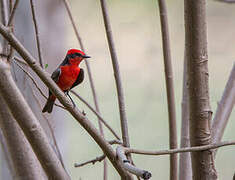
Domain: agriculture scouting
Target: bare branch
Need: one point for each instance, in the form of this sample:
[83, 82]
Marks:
[93, 161]
[50, 129]
[27, 166]
[185, 166]
[99, 158]
[128, 166]
[37, 33]
[20, 61]
[224, 109]
[97, 114]
[199, 101]
[169, 88]
[4, 12]
[117, 74]
[13, 13]
[180, 150]
[30, 125]
[84, 122]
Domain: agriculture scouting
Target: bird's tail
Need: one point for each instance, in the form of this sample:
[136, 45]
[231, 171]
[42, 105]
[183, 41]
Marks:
[49, 104]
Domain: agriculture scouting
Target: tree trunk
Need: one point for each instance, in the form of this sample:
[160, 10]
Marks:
[199, 104]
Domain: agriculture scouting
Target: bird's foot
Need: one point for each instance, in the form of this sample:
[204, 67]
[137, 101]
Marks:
[67, 93]
[83, 113]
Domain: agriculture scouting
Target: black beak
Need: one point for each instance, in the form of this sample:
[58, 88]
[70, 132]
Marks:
[85, 56]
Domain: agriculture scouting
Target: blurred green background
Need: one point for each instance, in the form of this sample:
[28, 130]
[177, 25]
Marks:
[136, 30]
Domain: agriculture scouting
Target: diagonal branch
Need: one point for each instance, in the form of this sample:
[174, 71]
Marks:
[37, 33]
[92, 161]
[169, 88]
[97, 114]
[224, 109]
[27, 166]
[82, 120]
[99, 158]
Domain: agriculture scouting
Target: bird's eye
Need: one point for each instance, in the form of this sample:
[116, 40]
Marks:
[78, 54]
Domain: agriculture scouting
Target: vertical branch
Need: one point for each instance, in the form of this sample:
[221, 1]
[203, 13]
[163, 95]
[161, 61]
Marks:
[224, 109]
[4, 12]
[4, 18]
[92, 85]
[185, 167]
[37, 33]
[169, 88]
[199, 102]
[117, 74]
[10, 23]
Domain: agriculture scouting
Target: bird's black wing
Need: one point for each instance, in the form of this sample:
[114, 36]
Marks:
[55, 76]
[79, 80]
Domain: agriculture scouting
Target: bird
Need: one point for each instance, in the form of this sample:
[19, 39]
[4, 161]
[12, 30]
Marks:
[67, 76]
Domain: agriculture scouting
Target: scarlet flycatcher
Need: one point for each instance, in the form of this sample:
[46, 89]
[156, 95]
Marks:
[67, 75]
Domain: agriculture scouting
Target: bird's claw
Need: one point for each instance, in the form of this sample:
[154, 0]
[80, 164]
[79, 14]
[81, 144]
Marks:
[67, 93]
[84, 113]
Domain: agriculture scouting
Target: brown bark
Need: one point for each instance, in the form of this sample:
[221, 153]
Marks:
[25, 163]
[169, 89]
[185, 167]
[199, 103]
[224, 109]
[30, 125]
[117, 74]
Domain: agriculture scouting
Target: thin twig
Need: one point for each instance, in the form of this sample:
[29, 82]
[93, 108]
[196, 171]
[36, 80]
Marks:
[180, 150]
[37, 34]
[96, 113]
[117, 74]
[169, 88]
[13, 13]
[128, 166]
[20, 60]
[93, 161]
[10, 23]
[99, 158]
[224, 109]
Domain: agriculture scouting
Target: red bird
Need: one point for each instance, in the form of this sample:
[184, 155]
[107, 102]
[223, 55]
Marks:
[67, 75]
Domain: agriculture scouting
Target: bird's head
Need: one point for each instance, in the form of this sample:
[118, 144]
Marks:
[76, 56]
